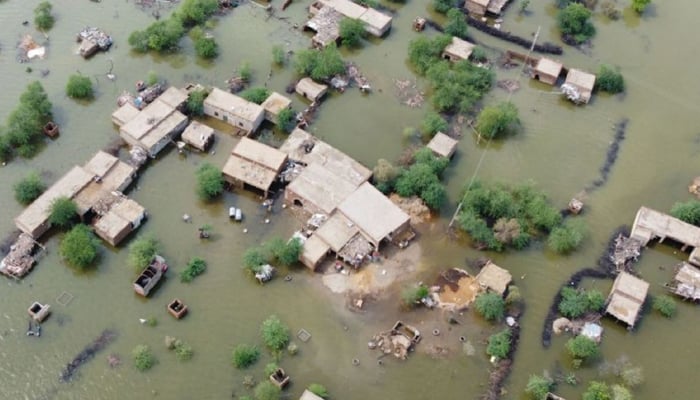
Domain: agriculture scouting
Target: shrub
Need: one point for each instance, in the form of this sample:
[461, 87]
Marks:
[610, 10]
[256, 95]
[289, 253]
[274, 333]
[688, 211]
[411, 296]
[245, 71]
[574, 22]
[143, 358]
[538, 387]
[665, 305]
[499, 344]
[385, 174]
[594, 300]
[183, 351]
[423, 52]
[514, 295]
[266, 390]
[5, 149]
[79, 87]
[597, 391]
[42, 16]
[582, 347]
[479, 54]
[162, 36]
[610, 79]
[286, 119]
[640, 5]
[271, 368]
[194, 12]
[574, 303]
[253, 258]
[79, 247]
[210, 182]
[319, 64]
[566, 238]
[456, 23]
[206, 47]
[442, 6]
[63, 212]
[497, 121]
[195, 102]
[142, 251]
[195, 267]
[620, 392]
[29, 188]
[490, 305]
[352, 31]
[318, 390]
[244, 356]
[632, 376]
[278, 56]
[433, 123]
[151, 78]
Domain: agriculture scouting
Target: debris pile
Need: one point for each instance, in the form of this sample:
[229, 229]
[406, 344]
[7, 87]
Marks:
[27, 49]
[408, 93]
[91, 40]
[626, 249]
[509, 85]
[20, 260]
[398, 341]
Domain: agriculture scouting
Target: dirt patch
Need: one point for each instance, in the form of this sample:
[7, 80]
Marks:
[413, 206]
[459, 294]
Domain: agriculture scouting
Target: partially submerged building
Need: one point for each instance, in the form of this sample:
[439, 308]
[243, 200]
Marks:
[274, 104]
[313, 253]
[626, 298]
[21, 257]
[442, 145]
[582, 84]
[326, 24]
[109, 174]
[240, 113]
[198, 136]
[458, 50]
[547, 70]
[651, 224]
[254, 164]
[308, 88]
[494, 278]
[152, 128]
[121, 218]
[317, 190]
[481, 7]
[686, 282]
[376, 23]
[91, 40]
[174, 97]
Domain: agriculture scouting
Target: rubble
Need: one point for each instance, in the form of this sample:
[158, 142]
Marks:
[91, 40]
[398, 341]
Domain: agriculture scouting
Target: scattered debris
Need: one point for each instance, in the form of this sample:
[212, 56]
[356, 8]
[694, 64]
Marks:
[575, 206]
[265, 273]
[408, 93]
[113, 360]
[91, 40]
[626, 249]
[28, 48]
[102, 341]
[398, 341]
[686, 282]
[509, 85]
[22, 257]
[419, 24]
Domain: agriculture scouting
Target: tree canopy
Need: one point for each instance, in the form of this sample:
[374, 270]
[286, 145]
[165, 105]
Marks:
[142, 251]
[63, 212]
[610, 79]
[29, 188]
[497, 121]
[43, 18]
[210, 182]
[195, 102]
[352, 31]
[456, 23]
[275, 334]
[574, 22]
[79, 247]
[206, 47]
[25, 123]
[319, 64]
[79, 87]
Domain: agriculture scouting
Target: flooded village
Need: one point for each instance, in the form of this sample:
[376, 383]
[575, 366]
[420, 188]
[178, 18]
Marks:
[337, 199]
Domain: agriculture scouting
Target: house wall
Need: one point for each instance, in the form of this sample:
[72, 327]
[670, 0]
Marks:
[548, 79]
[233, 119]
[160, 145]
[308, 208]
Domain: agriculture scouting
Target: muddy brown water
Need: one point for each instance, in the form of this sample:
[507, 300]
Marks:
[561, 148]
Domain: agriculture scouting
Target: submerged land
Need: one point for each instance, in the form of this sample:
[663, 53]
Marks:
[273, 200]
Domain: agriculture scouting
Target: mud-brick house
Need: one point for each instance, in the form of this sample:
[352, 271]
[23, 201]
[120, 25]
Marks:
[458, 50]
[627, 298]
[314, 91]
[154, 127]
[238, 112]
[121, 218]
[253, 164]
[547, 70]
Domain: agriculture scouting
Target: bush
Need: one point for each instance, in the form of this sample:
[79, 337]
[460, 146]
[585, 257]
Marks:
[352, 31]
[411, 296]
[424, 52]
[582, 348]
[610, 10]
[245, 71]
[597, 391]
[183, 351]
[210, 182]
[575, 303]
[253, 258]
[244, 356]
[274, 333]
[151, 78]
[665, 305]
[497, 121]
[286, 119]
[266, 390]
[620, 392]
[499, 344]
[278, 56]
[162, 36]
[195, 12]
[206, 47]
[271, 368]
[456, 23]
[640, 5]
[42, 16]
[288, 252]
[688, 211]
[538, 387]
[5, 148]
[79, 247]
[195, 102]
[318, 390]
[79, 87]
[384, 175]
[143, 358]
[566, 238]
[479, 54]
[255, 95]
[490, 305]
[63, 212]
[514, 295]
[610, 80]
[25, 123]
[574, 22]
[442, 6]
[195, 267]
[29, 188]
[142, 251]
[433, 123]
[320, 64]
[632, 376]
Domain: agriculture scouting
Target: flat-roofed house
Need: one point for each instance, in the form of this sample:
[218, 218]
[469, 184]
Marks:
[650, 224]
[174, 97]
[442, 145]
[109, 174]
[198, 135]
[123, 217]
[376, 217]
[240, 113]
[154, 127]
[124, 114]
[376, 23]
[583, 82]
[314, 91]
[494, 278]
[627, 297]
[337, 231]
[255, 164]
[547, 70]
[314, 252]
[476, 7]
[317, 190]
[458, 50]
[274, 104]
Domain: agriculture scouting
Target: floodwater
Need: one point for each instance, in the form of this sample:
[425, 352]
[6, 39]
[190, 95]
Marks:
[561, 148]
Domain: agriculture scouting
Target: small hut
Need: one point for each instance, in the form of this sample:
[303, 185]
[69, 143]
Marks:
[442, 145]
[274, 104]
[313, 91]
[583, 82]
[198, 135]
[626, 298]
[458, 50]
[547, 70]
[494, 278]
[476, 7]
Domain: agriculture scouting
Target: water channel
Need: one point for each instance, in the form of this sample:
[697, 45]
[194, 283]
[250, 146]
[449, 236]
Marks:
[561, 149]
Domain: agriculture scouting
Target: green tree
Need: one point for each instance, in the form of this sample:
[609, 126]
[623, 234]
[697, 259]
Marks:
[63, 212]
[456, 23]
[151, 78]
[442, 6]
[266, 390]
[245, 355]
[538, 387]
[384, 175]
[665, 305]
[490, 305]
[210, 182]
[183, 351]
[499, 344]
[79, 87]
[29, 188]
[319, 64]
[610, 79]
[412, 295]
[5, 148]
[256, 95]
[319, 390]
[434, 195]
[143, 358]
[688, 211]
[567, 238]
[582, 347]
[43, 18]
[597, 391]
[245, 71]
[573, 302]
[352, 31]
[79, 247]
[142, 251]
[195, 12]
[278, 56]
[286, 119]
[195, 102]
[640, 5]
[497, 121]
[290, 252]
[275, 334]
[424, 52]
[253, 258]
[574, 22]
[35, 97]
[620, 392]
[195, 267]
[162, 36]
[206, 47]
[433, 123]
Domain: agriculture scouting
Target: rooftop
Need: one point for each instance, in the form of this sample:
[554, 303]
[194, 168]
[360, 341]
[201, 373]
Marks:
[686, 282]
[651, 223]
[373, 213]
[627, 297]
[496, 6]
[276, 103]
[443, 145]
[375, 18]
[197, 134]
[113, 175]
[173, 97]
[320, 186]
[313, 251]
[307, 395]
[326, 24]
[249, 172]
[336, 231]
[119, 218]
[147, 119]
[494, 277]
[310, 89]
[480, 2]
[260, 153]
[345, 7]
[237, 105]
[124, 114]
[549, 67]
[581, 79]
[459, 48]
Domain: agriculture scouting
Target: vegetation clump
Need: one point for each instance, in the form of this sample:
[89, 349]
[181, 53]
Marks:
[256, 95]
[577, 302]
[245, 355]
[29, 188]
[538, 387]
[206, 47]
[79, 247]
[619, 392]
[582, 348]
[142, 251]
[275, 334]
[352, 31]
[286, 119]
[275, 251]
[320, 65]
[43, 18]
[597, 391]
[443, 6]
[610, 79]
[319, 390]
[63, 212]
[266, 390]
[195, 267]
[567, 237]
[195, 102]
[640, 5]
[24, 126]
[432, 124]
[183, 351]
[210, 182]
[278, 56]
[384, 175]
[411, 296]
[688, 211]
[665, 305]
[143, 358]
[456, 23]
[574, 23]
[499, 344]
[490, 305]
[498, 121]
[79, 87]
